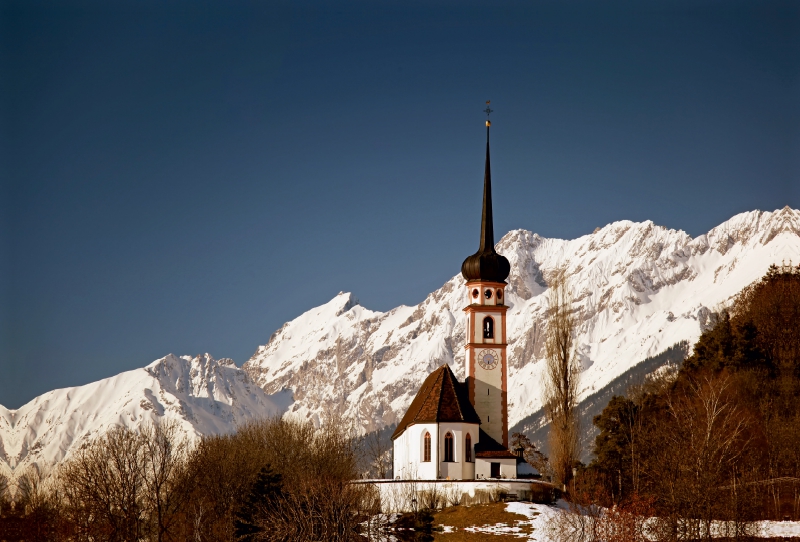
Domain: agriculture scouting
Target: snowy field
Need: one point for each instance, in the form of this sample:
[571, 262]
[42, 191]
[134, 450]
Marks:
[537, 517]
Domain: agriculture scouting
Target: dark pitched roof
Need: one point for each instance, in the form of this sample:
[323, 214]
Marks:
[487, 447]
[441, 398]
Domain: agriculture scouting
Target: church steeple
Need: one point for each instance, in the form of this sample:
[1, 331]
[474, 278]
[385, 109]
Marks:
[486, 264]
[487, 225]
[485, 359]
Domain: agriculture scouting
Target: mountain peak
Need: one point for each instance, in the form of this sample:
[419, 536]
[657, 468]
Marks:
[345, 301]
[203, 395]
[639, 288]
[760, 227]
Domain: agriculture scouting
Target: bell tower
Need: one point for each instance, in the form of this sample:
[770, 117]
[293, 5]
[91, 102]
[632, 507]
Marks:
[487, 368]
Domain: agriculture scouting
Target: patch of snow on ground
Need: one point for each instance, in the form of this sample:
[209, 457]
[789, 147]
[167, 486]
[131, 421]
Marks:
[497, 528]
[786, 529]
[539, 515]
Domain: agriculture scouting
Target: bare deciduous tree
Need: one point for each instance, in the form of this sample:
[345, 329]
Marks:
[5, 494]
[694, 467]
[375, 454]
[102, 488]
[36, 499]
[316, 500]
[165, 449]
[561, 381]
[126, 485]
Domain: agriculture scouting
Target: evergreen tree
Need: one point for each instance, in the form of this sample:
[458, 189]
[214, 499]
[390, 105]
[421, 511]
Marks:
[266, 492]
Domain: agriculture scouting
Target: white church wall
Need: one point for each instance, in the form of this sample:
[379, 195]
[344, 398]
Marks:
[508, 468]
[400, 456]
[409, 453]
[458, 469]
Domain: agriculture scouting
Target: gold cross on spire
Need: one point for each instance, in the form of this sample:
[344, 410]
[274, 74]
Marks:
[487, 110]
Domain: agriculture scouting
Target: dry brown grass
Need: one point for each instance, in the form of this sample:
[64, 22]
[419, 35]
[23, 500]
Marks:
[481, 515]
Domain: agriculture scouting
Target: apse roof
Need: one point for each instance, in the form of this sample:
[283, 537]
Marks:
[441, 398]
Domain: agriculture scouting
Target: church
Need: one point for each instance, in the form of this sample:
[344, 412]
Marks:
[459, 430]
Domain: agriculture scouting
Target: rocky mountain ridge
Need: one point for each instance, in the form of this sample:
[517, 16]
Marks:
[203, 395]
[639, 289]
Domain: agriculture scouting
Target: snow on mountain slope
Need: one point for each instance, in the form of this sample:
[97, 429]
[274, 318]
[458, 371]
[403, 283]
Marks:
[204, 395]
[639, 288]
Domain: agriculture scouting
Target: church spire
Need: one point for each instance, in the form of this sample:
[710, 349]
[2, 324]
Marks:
[486, 264]
[487, 226]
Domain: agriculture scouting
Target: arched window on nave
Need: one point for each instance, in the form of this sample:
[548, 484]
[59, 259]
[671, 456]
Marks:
[448, 447]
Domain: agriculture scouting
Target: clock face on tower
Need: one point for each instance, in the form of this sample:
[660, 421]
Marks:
[487, 359]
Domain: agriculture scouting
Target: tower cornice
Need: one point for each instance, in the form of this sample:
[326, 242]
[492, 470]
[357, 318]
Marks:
[477, 307]
[484, 346]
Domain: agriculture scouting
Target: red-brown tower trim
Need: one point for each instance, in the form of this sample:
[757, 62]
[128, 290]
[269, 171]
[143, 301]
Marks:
[486, 272]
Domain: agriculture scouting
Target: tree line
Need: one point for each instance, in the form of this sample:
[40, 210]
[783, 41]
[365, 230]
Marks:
[716, 443]
[271, 480]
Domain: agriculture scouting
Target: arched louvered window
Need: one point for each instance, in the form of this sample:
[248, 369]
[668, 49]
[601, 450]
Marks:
[468, 449]
[426, 452]
[488, 328]
[448, 447]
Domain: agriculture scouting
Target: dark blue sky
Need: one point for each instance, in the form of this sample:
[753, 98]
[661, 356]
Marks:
[185, 177]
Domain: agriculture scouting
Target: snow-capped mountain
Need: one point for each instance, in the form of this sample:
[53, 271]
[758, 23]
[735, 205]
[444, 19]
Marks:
[639, 289]
[204, 395]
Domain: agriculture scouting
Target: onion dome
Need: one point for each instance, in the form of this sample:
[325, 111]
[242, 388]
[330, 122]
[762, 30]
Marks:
[486, 264]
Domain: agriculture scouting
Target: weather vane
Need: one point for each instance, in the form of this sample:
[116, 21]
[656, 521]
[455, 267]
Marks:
[487, 110]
